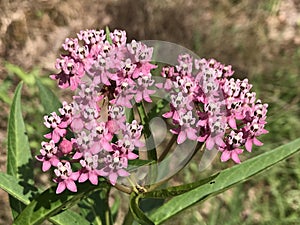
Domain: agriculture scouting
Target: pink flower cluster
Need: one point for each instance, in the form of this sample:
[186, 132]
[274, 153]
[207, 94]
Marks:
[207, 105]
[91, 137]
[92, 133]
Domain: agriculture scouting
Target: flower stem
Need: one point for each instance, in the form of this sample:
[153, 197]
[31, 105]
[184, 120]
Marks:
[199, 147]
[123, 188]
[151, 150]
[150, 145]
[167, 149]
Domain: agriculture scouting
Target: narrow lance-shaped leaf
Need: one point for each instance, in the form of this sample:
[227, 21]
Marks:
[18, 151]
[49, 203]
[68, 218]
[49, 100]
[225, 180]
[11, 185]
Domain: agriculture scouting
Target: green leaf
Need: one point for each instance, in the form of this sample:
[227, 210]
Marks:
[108, 38]
[4, 96]
[48, 99]
[226, 179]
[28, 78]
[95, 208]
[49, 203]
[11, 185]
[69, 218]
[137, 213]
[19, 157]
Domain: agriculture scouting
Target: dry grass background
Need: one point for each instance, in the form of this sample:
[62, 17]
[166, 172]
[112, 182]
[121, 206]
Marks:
[256, 37]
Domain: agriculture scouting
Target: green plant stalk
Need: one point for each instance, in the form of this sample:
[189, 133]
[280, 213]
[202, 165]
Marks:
[107, 213]
[200, 146]
[167, 149]
[151, 153]
[137, 213]
[147, 132]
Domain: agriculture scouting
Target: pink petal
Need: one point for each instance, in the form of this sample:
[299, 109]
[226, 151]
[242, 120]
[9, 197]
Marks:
[77, 125]
[191, 134]
[160, 86]
[95, 148]
[112, 126]
[60, 187]
[264, 131]
[48, 136]
[257, 142]
[77, 155]
[46, 166]
[39, 158]
[55, 136]
[113, 178]
[181, 137]
[202, 138]
[105, 79]
[248, 145]
[220, 142]
[54, 161]
[138, 143]
[168, 114]
[71, 185]
[147, 97]
[83, 177]
[61, 132]
[210, 143]
[106, 145]
[127, 104]
[53, 76]
[225, 156]
[123, 173]
[201, 123]
[102, 173]
[93, 178]
[138, 97]
[235, 157]
[232, 123]
[175, 131]
[75, 175]
[63, 124]
[131, 155]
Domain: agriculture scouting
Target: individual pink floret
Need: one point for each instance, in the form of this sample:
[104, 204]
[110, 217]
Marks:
[65, 178]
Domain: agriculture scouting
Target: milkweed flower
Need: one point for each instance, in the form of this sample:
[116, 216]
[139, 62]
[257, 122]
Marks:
[65, 177]
[93, 135]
